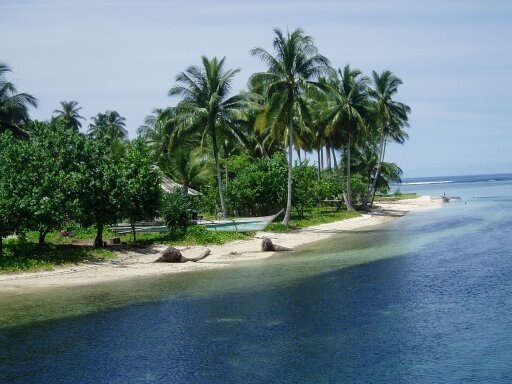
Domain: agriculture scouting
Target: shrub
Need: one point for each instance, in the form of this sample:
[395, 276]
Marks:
[174, 210]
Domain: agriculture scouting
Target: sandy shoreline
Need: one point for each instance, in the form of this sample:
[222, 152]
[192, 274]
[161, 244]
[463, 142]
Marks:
[140, 262]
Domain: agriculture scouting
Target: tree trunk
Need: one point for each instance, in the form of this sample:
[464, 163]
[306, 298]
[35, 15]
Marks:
[298, 155]
[321, 158]
[336, 168]
[133, 231]
[226, 169]
[349, 188]
[318, 165]
[378, 174]
[219, 177]
[328, 157]
[290, 166]
[379, 162]
[1, 246]
[98, 241]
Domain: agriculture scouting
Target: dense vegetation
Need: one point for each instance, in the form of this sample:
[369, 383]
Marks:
[237, 150]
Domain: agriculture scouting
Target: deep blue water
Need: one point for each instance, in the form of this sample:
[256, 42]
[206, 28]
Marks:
[424, 299]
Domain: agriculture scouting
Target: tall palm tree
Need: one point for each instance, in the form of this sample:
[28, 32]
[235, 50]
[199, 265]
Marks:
[157, 131]
[346, 111]
[13, 106]
[205, 107]
[391, 116]
[295, 64]
[69, 115]
[109, 125]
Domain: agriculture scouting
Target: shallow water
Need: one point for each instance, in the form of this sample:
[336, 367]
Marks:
[425, 299]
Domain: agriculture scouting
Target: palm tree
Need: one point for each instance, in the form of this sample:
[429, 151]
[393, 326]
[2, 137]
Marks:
[157, 131]
[346, 111]
[109, 125]
[69, 115]
[391, 117]
[294, 66]
[13, 106]
[205, 107]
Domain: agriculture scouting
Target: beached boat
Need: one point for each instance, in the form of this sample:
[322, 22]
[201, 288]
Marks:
[240, 224]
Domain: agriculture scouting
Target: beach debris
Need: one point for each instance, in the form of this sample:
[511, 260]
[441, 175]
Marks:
[268, 246]
[173, 255]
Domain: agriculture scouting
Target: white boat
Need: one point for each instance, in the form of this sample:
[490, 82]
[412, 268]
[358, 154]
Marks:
[240, 224]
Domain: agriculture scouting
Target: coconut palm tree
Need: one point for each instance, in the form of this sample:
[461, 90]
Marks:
[109, 125]
[294, 66]
[391, 116]
[13, 106]
[345, 112]
[205, 107]
[69, 115]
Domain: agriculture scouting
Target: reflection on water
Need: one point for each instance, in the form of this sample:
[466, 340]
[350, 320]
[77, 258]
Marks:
[425, 299]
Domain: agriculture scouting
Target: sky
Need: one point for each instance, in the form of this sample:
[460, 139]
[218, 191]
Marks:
[453, 56]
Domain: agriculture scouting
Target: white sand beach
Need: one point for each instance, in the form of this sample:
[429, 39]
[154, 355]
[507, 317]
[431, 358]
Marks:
[138, 262]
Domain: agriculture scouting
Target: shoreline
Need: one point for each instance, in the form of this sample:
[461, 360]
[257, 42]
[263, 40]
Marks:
[132, 263]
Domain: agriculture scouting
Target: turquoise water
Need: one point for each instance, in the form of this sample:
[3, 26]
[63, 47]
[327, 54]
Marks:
[424, 299]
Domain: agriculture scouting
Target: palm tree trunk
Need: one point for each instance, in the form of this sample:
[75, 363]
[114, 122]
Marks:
[328, 157]
[290, 164]
[298, 155]
[322, 158]
[349, 188]
[318, 165]
[380, 165]
[133, 231]
[219, 174]
[371, 190]
[336, 168]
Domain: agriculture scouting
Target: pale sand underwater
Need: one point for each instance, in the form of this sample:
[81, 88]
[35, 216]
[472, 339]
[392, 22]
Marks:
[140, 262]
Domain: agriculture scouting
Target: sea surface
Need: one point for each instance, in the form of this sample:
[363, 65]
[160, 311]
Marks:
[424, 299]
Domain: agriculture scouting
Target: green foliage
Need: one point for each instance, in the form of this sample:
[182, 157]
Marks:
[359, 186]
[304, 179]
[259, 188]
[312, 216]
[101, 187]
[142, 191]
[174, 210]
[397, 193]
[199, 235]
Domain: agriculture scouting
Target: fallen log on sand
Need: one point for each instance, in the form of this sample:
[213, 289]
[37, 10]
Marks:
[268, 246]
[173, 255]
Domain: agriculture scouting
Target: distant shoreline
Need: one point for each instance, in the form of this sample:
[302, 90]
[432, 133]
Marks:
[140, 262]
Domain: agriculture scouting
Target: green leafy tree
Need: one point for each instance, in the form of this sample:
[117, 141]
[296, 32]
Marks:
[390, 116]
[50, 194]
[295, 64]
[109, 126]
[102, 188]
[304, 180]
[13, 106]
[70, 115]
[15, 154]
[345, 112]
[205, 107]
[141, 184]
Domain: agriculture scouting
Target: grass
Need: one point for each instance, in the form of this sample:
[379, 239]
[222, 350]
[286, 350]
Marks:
[396, 197]
[313, 216]
[26, 256]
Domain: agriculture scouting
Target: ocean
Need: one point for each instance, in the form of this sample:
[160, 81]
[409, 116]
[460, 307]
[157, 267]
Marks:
[426, 298]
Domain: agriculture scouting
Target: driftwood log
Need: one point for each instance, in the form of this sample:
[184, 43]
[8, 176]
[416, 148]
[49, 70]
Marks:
[268, 246]
[173, 255]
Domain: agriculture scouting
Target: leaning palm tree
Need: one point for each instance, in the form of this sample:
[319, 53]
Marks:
[69, 115]
[205, 107]
[109, 125]
[13, 106]
[390, 116]
[346, 110]
[294, 66]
